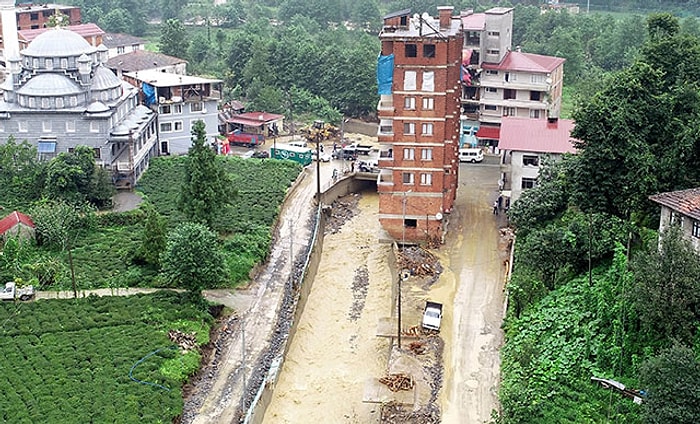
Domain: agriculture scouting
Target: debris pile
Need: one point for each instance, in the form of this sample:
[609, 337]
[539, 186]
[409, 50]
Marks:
[417, 347]
[396, 414]
[414, 331]
[398, 382]
[419, 262]
[186, 341]
[360, 285]
[340, 212]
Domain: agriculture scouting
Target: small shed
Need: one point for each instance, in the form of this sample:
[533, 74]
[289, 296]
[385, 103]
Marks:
[16, 224]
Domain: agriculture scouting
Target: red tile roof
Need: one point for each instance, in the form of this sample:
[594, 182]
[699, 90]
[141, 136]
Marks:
[686, 202]
[492, 133]
[84, 30]
[254, 119]
[536, 135]
[474, 22]
[11, 220]
[526, 62]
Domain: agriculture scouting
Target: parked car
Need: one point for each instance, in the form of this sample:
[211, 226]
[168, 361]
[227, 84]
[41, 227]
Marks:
[325, 157]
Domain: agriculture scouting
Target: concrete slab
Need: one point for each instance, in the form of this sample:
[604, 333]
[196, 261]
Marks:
[376, 392]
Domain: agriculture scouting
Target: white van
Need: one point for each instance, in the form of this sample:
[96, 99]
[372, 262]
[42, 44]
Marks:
[471, 155]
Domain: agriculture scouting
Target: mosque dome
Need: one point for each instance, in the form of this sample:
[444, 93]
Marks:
[58, 42]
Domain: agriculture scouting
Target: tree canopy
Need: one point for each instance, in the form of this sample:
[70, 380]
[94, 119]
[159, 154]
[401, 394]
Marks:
[192, 259]
[206, 188]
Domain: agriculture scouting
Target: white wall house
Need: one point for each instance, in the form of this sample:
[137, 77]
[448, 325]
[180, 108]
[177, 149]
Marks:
[179, 100]
[525, 143]
[681, 208]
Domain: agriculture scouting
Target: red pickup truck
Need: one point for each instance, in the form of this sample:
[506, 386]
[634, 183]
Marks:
[238, 138]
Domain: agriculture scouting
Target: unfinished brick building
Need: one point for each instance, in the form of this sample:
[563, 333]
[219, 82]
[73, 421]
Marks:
[418, 74]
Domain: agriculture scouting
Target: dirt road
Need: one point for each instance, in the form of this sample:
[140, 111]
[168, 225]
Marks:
[476, 259]
[218, 396]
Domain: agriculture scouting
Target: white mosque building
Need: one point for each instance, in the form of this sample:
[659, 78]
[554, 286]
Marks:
[58, 94]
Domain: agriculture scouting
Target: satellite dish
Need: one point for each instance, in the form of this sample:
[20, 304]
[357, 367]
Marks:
[405, 274]
[438, 216]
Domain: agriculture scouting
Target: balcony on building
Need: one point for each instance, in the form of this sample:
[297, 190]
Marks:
[385, 180]
[386, 103]
[386, 127]
[386, 155]
[472, 39]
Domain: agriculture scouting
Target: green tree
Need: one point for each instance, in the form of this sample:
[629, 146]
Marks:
[69, 175]
[154, 236]
[172, 9]
[58, 223]
[116, 20]
[20, 173]
[672, 381]
[546, 201]
[207, 188]
[192, 259]
[667, 290]
[173, 38]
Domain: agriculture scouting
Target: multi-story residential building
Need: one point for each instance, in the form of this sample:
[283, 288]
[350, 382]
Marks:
[524, 144]
[418, 74]
[59, 94]
[180, 100]
[118, 43]
[497, 81]
[681, 208]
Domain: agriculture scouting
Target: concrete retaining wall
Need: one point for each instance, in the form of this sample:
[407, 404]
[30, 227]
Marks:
[343, 187]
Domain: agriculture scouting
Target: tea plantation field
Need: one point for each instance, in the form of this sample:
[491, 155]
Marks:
[69, 361]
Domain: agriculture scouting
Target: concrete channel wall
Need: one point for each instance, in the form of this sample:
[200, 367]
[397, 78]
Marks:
[342, 187]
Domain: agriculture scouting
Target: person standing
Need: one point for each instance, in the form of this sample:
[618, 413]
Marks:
[500, 201]
[495, 207]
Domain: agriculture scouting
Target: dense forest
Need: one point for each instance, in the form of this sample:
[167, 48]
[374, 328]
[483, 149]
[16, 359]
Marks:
[317, 58]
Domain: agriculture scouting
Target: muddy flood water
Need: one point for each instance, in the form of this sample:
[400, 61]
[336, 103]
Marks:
[335, 349]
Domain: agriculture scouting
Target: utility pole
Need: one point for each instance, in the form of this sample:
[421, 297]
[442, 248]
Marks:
[402, 272]
[318, 167]
[398, 302]
[243, 350]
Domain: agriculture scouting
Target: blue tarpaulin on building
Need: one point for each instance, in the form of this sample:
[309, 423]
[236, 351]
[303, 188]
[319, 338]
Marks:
[385, 74]
[149, 92]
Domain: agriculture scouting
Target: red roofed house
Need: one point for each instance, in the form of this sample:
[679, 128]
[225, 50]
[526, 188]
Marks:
[90, 32]
[683, 208]
[267, 124]
[523, 144]
[498, 81]
[16, 224]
